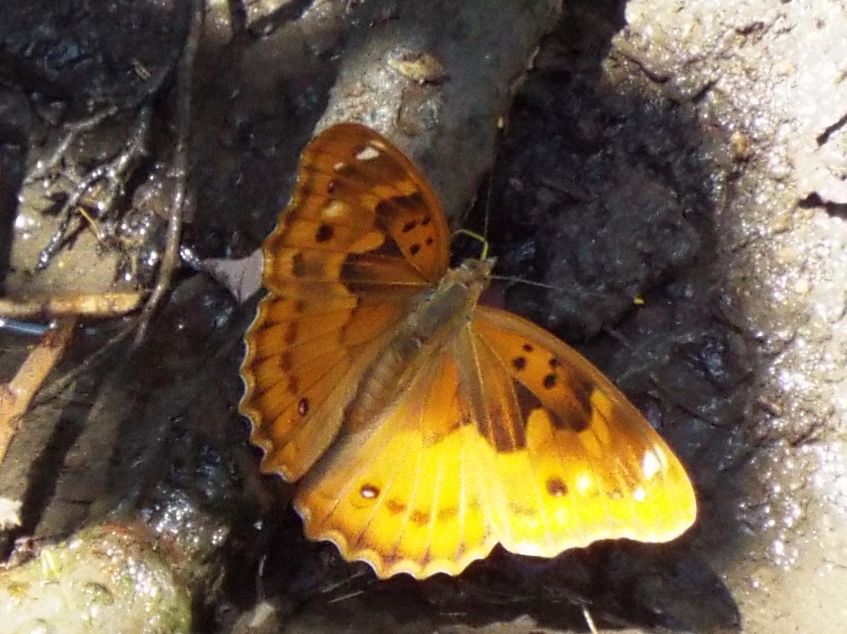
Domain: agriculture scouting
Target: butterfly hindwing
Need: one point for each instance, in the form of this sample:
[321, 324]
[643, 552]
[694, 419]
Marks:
[595, 467]
[409, 495]
[302, 363]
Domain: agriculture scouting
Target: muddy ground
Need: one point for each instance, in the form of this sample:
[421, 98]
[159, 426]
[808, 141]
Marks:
[677, 171]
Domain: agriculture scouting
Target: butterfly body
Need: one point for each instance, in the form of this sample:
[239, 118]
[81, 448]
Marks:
[432, 325]
[423, 428]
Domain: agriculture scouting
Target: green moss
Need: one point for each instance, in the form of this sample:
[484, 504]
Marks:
[104, 576]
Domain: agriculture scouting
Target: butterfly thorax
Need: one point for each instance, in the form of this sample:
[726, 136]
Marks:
[431, 325]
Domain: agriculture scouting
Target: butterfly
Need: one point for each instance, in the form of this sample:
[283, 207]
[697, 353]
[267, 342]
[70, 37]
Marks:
[420, 427]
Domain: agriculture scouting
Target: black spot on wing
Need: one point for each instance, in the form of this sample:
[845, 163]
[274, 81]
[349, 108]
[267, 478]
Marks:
[573, 415]
[408, 209]
[324, 233]
[556, 487]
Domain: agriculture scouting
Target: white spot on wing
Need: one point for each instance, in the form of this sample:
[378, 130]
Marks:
[335, 210]
[650, 464]
[584, 483]
[639, 494]
[339, 166]
[367, 153]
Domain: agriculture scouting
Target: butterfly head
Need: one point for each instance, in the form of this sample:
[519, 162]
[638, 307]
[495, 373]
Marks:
[472, 276]
[474, 272]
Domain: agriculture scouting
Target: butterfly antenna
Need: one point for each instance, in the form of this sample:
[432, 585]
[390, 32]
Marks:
[478, 237]
[637, 300]
[501, 128]
[520, 280]
[483, 237]
[487, 209]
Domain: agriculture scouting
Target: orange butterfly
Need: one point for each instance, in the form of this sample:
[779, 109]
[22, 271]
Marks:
[422, 428]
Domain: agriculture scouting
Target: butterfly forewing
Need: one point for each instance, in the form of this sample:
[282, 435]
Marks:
[362, 236]
[359, 204]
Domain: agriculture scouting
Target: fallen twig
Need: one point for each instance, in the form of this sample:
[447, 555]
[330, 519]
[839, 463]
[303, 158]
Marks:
[109, 304]
[103, 305]
[17, 394]
[178, 171]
